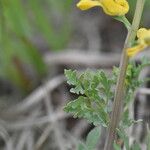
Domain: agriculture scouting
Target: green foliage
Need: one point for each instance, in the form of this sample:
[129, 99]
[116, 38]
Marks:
[116, 146]
[20, 23]
[95, 92]
[82, 146]
[91, 140]
[73, 80]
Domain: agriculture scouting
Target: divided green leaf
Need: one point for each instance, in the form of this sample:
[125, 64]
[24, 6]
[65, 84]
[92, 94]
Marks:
[93, 138]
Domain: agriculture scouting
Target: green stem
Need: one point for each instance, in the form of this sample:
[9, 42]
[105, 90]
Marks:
[124, 20]
[119, 93]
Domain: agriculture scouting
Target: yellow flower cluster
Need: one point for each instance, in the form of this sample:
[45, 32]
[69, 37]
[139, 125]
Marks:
[119, 8]
[143, 42]
[110, 7]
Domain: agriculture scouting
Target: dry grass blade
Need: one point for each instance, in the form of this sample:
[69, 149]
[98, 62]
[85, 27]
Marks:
[36, 96]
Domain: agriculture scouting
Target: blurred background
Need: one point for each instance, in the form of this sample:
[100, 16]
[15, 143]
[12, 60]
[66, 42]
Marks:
[38, 40]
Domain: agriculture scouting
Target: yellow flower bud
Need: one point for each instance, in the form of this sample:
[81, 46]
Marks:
[143, 36]
[110, 7]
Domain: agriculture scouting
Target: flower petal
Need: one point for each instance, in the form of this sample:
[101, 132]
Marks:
[87, 4]
[144, 36]
[142, 32]
[115, 7]
[134, 50]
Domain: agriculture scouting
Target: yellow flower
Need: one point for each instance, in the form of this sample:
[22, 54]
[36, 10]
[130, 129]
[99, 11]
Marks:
[110, 7]
[143, 36]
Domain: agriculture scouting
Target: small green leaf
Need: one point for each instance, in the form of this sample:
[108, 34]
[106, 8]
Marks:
[71, 77]
[92, 138]
[82, 146]
[78, 89]
[116, 146]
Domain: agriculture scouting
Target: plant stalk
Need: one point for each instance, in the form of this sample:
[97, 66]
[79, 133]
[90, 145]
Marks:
[120, 88]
